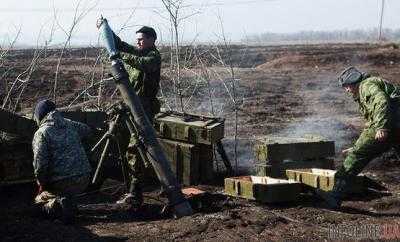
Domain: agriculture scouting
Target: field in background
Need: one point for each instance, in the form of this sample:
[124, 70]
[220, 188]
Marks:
[286, 90]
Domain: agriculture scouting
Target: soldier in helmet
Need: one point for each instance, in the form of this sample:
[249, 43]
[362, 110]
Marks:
[378, 102]
[61, 167]
[143, 64]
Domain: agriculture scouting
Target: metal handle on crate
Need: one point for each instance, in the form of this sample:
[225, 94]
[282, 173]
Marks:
[163, 129]
[317, 181]
[237, 187]
[187, 132]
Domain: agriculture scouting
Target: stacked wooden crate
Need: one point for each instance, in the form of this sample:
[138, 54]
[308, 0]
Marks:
[188, 141]
[286, 166]
[274, 155]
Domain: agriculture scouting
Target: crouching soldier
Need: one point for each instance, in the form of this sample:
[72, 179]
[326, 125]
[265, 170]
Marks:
[61, 167]
[378, 102]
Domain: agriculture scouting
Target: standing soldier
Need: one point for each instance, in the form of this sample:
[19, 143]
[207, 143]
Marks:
[378, 102]
[61, 167]
[143, 64]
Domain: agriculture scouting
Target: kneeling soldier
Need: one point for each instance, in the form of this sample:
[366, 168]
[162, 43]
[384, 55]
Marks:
[60, 164]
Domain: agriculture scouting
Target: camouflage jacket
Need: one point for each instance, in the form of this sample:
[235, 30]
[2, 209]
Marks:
[378, 102]
[143, 67]
[57, 149]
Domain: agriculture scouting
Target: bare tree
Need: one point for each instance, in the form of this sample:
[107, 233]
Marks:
[78, 16]
[227, 62]
[4, 52]
[24, 77]
[85, 92]
[174, 9]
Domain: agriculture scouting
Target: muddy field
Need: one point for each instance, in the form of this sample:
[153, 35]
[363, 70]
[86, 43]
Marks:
[282, 90]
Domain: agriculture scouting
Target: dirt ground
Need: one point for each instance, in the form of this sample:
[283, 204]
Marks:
[286, 91]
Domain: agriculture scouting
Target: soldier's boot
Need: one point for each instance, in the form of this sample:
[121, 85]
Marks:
[68, 210]
[162, 192]
[334, 198]
[133, 199]
[51, 208]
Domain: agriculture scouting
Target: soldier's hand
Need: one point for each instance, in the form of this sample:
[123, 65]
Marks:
[381, 135]
[99, 22]
[344, 152]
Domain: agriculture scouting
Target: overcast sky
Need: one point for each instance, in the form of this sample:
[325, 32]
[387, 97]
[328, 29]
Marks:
[239, 18]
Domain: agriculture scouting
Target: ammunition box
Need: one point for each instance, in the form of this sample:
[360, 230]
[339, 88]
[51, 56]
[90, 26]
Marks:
[23, 126]
[279, 170]
[323, 179]
[189, 128]
[16, 124]
[263, 189]
[16, 164]
[206, 158]
[192, 164]
[95, 119]
[276, 150]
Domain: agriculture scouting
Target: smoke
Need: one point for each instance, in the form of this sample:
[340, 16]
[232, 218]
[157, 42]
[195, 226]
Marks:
[332, 115]
[327, 128]
[245, 152]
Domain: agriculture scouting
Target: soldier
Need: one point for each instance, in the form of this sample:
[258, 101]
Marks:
[378, 102]
[61, 167]
[143, 64]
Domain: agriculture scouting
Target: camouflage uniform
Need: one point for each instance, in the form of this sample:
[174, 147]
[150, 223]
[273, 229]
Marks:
[143, 67]
[379, 103]
[60, 163]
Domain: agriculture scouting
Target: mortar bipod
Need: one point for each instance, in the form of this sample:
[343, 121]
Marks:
[120, 115]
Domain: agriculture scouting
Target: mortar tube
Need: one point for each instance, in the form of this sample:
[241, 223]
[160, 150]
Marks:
[153, 150]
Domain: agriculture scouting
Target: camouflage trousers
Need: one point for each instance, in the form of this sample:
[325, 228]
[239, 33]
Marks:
[137, 165]
[365, 149]
[48, 200]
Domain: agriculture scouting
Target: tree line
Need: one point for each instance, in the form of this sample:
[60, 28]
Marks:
[358, 35]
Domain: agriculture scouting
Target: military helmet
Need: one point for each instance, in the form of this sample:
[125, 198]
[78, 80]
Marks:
[351, 75]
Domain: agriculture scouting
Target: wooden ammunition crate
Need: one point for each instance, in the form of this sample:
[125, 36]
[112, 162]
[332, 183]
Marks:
[192, 164]
[277, 149]
[95, 119]
[263, 189]
[279, 170]
[26, 127]
[16, 124]
[189, 128]
[16, 163]
[323, 179]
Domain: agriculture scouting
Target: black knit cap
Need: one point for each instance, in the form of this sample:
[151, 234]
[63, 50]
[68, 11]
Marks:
[148, 31]
[42, 108]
